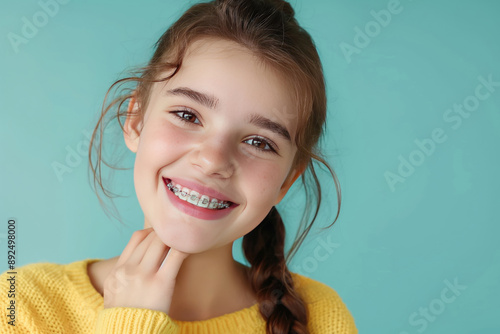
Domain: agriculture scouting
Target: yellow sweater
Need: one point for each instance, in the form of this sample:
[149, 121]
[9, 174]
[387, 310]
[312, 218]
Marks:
[59, 298]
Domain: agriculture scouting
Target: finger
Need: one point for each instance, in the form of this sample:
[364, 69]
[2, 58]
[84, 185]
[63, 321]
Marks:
[137, 237]
[139, 252]
[155, 255]
[171, 265]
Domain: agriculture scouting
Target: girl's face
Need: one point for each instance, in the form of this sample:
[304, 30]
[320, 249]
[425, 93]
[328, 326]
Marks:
[223, 126]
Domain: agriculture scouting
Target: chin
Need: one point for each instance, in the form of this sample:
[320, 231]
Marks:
[185, 240]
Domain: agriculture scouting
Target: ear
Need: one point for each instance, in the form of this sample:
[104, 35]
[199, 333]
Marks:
[291, 178]
[133, 125]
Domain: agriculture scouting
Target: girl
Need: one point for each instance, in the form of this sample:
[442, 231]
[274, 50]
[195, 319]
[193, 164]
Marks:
[223, 120]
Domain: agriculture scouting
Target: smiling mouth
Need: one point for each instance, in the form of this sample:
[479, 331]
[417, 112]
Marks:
[195, 198]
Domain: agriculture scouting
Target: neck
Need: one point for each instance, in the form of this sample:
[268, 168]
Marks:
[210, 284]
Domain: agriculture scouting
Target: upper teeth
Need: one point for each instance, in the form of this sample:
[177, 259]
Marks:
[195, 198]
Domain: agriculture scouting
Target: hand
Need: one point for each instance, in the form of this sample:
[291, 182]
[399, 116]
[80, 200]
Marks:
[138, 279]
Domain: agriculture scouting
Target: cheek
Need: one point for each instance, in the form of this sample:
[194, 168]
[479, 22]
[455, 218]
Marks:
[161, 142]
[263, 180]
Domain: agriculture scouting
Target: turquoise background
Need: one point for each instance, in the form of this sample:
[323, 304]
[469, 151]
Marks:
[393, 251]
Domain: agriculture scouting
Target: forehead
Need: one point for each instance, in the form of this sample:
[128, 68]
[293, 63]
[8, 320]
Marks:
[238, 79]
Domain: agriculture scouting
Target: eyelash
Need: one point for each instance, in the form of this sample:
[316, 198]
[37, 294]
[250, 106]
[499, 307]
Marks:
[192, 113]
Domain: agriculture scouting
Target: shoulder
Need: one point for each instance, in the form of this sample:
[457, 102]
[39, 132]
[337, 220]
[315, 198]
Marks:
[46, 272]
[47, 280]
[34, 273]
[326, 310]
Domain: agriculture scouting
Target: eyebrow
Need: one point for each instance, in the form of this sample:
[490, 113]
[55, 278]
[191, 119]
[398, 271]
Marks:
[266, 123]
[211, 102]
[206, 100]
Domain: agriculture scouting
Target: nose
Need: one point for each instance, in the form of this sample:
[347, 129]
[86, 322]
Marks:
[214, 158]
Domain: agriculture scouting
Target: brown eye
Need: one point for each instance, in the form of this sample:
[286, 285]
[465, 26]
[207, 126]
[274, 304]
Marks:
[186, 116]
[261, 144]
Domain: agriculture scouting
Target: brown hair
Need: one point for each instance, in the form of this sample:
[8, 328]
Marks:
[268, 29]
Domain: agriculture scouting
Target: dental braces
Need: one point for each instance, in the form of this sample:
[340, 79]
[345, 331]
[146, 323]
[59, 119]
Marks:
[220, 205]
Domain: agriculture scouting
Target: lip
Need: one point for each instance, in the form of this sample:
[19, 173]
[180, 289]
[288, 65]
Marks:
[196, 211]
[199, 188]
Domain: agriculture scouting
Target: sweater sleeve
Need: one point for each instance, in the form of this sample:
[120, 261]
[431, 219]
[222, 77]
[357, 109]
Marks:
[134, 320]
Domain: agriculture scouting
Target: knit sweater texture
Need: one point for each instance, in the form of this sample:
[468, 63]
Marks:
[59, 298]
